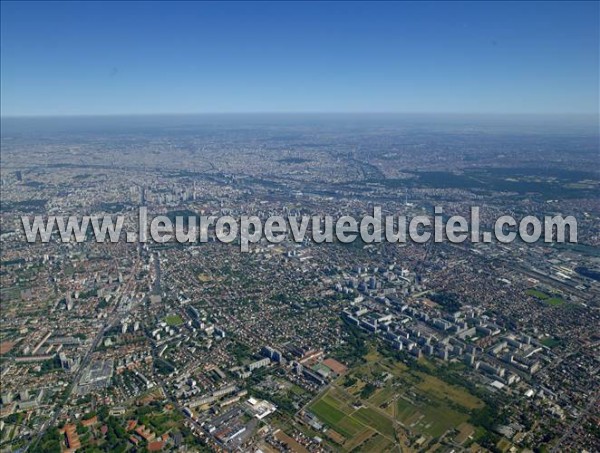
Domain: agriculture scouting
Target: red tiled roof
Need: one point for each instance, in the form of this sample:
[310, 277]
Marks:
[157, 445]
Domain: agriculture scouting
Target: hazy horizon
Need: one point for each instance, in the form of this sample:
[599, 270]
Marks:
[499, 124]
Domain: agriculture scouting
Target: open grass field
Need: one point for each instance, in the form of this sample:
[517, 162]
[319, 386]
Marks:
[554, 301]
[551, 342]
[406, 401]
[376, 443]
[327, 413]
[430, 420]
[440, 390]
[353, 424]
[537, 294]
[434, 406]
[382, 396]
[360, 439]
[174, 320]
[371, 417]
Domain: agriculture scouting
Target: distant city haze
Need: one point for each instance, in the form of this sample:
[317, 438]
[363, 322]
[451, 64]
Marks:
[113, 125]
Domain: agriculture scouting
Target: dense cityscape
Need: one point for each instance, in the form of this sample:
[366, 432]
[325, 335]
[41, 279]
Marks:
[300, 346]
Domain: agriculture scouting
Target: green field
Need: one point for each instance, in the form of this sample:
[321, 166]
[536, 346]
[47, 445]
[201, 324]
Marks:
[174, 320]
[551, 342]
[382, 396]
[350, 427]
[537, 294]
[346, 420]
[428, 419]
[554, 301]
[376, 420]
[442, 391]
[410, 404]
[327, 413]
[376, 443]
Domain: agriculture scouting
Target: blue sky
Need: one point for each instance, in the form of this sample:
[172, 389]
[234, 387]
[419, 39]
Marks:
[119, 58]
